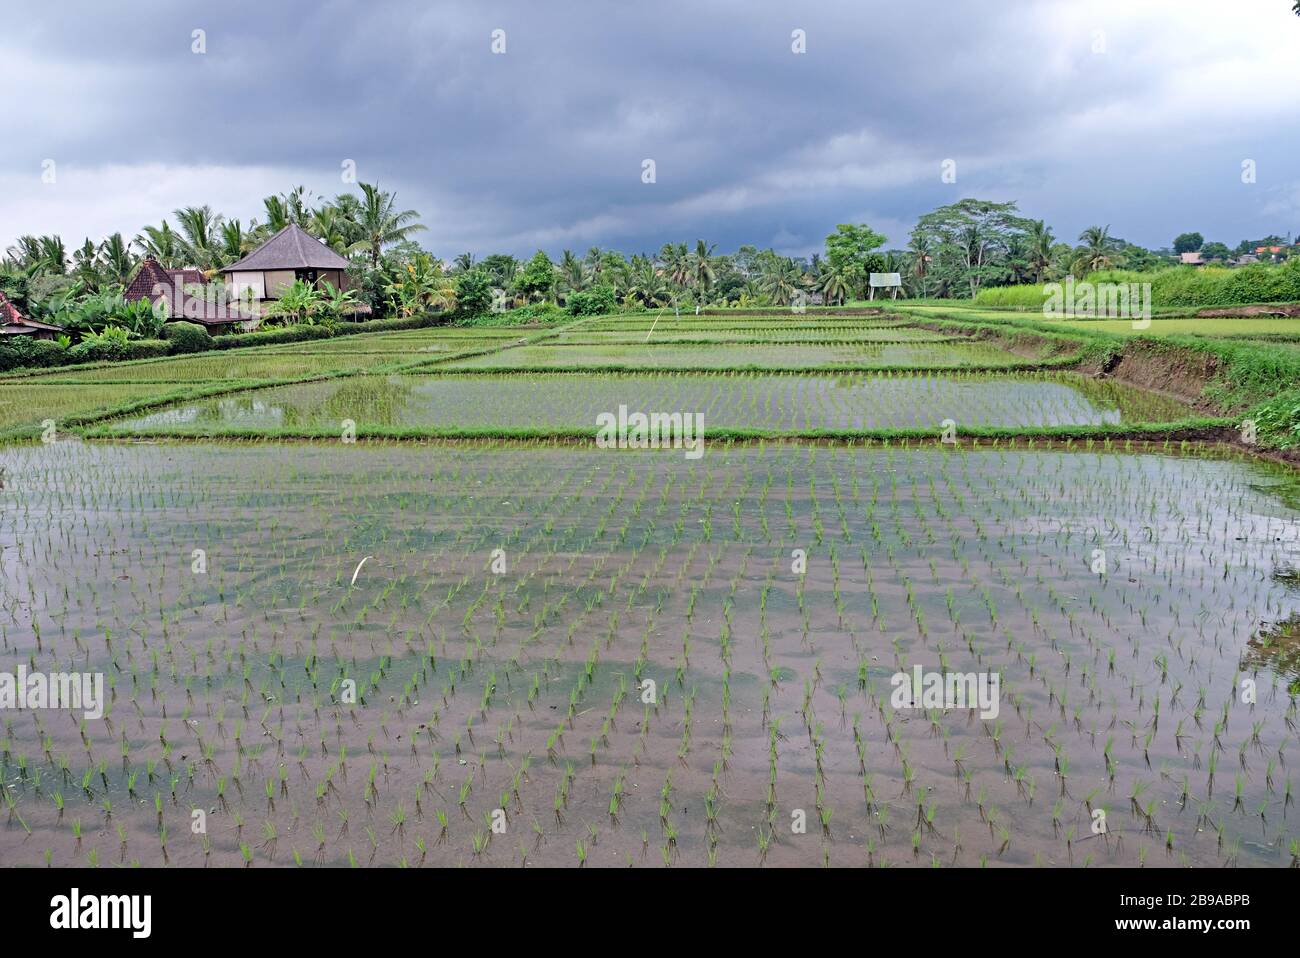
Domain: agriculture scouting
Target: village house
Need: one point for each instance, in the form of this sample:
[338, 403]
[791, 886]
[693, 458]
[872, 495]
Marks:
[187, 297]
[289, 256]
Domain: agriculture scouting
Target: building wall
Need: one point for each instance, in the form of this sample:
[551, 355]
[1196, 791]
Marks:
[239, 282]
[271, 283]
[277, 281]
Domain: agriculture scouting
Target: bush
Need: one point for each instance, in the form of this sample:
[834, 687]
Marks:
[295, 334]
[532, 315]
[187, 337]
[592, 302]
[24, 352]
[99, 350]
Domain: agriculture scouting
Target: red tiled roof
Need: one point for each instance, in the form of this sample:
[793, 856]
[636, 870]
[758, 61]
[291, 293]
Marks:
[188, 277]
[13, 322]
[8, 312]
[150, 281]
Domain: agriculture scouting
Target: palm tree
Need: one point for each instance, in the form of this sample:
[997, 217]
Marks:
[922, 255]
[463, 263]
[703, 273]
[1038, 248]
[85, 268]
[116, 264]
[200, 227]
[327, 223]
[646, 283]
[676, 260]
[780, 279]
[836, 283]
[277, 214]
[235, 242]
[162, 244]
[52, 254]
[1097, 251]
[574, 275]
[381, 223]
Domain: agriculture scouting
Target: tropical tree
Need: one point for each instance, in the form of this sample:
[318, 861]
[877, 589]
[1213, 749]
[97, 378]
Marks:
[702, 270]
[646, 284]
[115, 262]
[537, 279]
[972, 241]
[574, 273]
[162, 244]
[1097, 252]
[382, 223]
[921, 249]
[235, 242]
[420, 286]
[850, 251]
[836, 283]
[200, 229]
[1039, 242]
[780, 279]
[676, 261]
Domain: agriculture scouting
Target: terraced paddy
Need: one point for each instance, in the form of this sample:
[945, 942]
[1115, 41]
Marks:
[756, 356]
[738, 402]
[462, 633]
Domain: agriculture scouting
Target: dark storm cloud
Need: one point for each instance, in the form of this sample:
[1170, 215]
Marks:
[542, 146]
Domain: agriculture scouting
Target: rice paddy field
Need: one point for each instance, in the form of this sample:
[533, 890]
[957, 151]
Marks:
[459, 632]
[1231, 327]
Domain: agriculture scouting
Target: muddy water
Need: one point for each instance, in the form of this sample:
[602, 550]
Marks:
[520, 688]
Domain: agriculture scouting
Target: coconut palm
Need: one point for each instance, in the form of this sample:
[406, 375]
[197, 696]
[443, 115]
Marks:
[836, 282]
[647, 284]
[329, 224]
[200, 229]
[676, 261]
[1038, 248]
[780, 279]
[574, 274]
[116, 264]
[703, 272]
[277, 214]
[161, 243]
[381, 223]
[236, 241]
[1097, 252]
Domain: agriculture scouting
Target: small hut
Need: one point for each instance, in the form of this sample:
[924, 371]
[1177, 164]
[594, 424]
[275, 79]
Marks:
[289, 256]
[14, 323]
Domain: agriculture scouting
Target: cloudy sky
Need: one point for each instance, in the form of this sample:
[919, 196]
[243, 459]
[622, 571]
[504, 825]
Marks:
[1134, 113]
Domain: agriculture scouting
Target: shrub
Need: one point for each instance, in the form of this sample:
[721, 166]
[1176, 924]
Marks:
[531, 315]
[187, 337]
[24, 352]
[592, 302]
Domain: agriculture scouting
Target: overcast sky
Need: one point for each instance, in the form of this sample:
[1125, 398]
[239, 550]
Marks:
[1134, 113]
